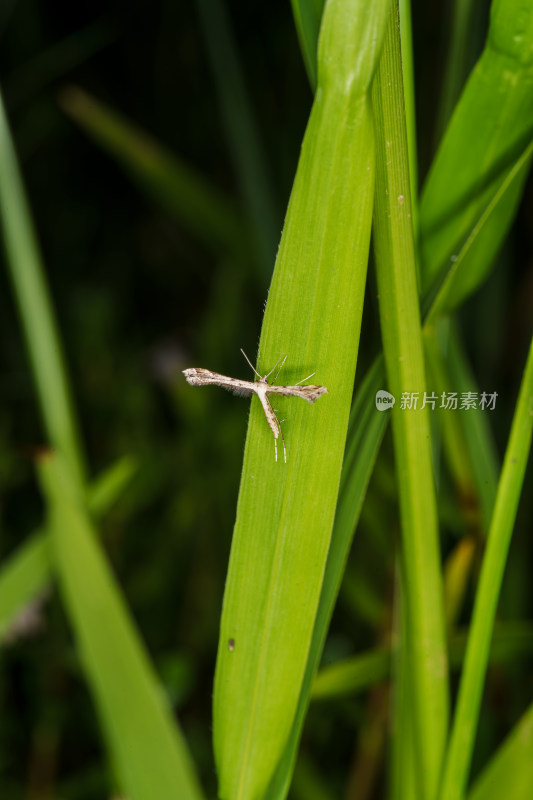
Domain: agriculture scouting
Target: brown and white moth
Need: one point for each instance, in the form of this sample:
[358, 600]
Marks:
[262, 388]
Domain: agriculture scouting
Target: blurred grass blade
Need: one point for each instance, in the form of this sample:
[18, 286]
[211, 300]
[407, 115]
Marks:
[366, 429]
[457, 572]
[145, 745]
[242, 133]
[285, 511]
[107, 487]
[23, 576]
[461, 743]
[497, 103]
[509, 774]
[404, 359]
[28, 571]
[352, 675]
[476, 431]
[203, 210]
[511, 641]
[35, 308]
[307, 17]
[443, 296]
[404, 780]
[57, 61]
[460, 40]
[365, 433]
[467, 439]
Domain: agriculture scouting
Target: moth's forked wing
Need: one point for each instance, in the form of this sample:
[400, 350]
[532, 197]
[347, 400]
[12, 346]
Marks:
[310, 393]
[197, 376]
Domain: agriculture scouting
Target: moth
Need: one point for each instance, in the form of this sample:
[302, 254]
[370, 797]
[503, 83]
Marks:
[262, 388]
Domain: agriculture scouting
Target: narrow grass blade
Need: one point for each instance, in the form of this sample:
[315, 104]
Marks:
[404, 781]
[145, 745]
[185, 194]
[404, 359]
[497, 103]
[242, 133]
[107, 487]
[23, 576]
[28, 571]
[477, 434]
[56, 61]
[467, 440]
[481, 243]
[307, 17]
[457, 572]
[461, 743]
[510, 772]
[408, 71]
[460, 41]
[511, 641]
[352, 675]
[35, 307]
[285, 512]
[365, 433]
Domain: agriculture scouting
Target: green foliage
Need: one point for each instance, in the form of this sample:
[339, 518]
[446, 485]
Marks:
[404, 357]
[126, 692]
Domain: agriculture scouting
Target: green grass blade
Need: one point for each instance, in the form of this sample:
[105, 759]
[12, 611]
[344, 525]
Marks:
[467, 439]
[408, 69]
[202, 209]
[510, 772]
[404, 781]
[307, 17]
[404, 358]
[365, 433]
[497, 103]
[459, 61]
[28, 571]
[56, 61]
[510, 642]
[352, 675]
[242, 133]
[35, 307]
[476, 431]
[23, 576]
[467, 269]
[285, 511]
[107, 487]
[146, 747]
[461, 744]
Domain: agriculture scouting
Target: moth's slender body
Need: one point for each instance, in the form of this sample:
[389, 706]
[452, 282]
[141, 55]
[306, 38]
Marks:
[262, 388]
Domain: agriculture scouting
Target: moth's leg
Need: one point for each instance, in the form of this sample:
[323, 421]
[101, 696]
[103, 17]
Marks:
[279, 421]
[273, 423]
[304, 379]
[269, 413]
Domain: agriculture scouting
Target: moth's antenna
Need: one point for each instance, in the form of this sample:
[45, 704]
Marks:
[250, 363]
[274, 367]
